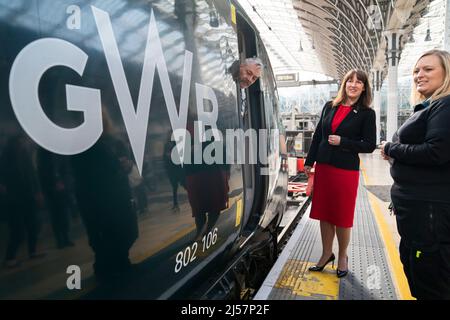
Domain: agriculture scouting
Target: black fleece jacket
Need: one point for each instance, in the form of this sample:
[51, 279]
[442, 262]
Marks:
[421, 154]
[357, 132]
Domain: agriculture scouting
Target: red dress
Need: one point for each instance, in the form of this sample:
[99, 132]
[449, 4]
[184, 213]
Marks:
[335, 189]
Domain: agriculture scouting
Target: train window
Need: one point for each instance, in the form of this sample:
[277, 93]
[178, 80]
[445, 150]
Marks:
[250, 117]
[270, 102]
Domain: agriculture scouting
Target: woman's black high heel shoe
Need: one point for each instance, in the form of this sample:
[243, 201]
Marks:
[320, 268]
[342, 273]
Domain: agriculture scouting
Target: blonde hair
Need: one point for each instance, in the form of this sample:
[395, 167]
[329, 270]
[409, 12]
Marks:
[444, 89]
[366, 95]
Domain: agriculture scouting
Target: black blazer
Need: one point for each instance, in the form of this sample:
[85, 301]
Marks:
[357, 132]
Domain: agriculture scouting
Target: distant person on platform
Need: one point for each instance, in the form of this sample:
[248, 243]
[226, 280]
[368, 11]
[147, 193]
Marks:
[346, 128]
[420, 158]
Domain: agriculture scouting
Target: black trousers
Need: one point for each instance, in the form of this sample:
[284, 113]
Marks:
[424, 228]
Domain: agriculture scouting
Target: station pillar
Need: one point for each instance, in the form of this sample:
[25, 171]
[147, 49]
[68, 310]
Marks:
[447, 26]
[393, 51]
[377, 77]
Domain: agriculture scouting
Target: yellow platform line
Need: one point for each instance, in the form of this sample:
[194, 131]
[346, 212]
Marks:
[395, 264]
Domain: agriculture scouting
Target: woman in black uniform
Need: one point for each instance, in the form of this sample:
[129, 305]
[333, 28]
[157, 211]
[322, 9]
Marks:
[420, 157]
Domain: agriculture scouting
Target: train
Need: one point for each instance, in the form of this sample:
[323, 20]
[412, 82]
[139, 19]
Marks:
[105, 106]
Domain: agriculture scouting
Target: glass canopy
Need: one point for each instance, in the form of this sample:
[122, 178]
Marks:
[318, 38]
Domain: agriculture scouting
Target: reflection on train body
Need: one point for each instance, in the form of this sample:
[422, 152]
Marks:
[136, 224]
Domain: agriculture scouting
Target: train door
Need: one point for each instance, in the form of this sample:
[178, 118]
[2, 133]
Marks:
[252, 117]
[249, 119]
[260, 112]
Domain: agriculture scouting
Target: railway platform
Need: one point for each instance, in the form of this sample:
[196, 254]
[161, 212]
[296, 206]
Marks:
[375, 270]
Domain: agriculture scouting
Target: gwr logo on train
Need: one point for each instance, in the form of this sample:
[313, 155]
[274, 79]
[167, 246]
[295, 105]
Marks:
[41, 55]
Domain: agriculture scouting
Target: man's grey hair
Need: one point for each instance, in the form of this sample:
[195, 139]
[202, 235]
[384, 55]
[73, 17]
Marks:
[256, 61]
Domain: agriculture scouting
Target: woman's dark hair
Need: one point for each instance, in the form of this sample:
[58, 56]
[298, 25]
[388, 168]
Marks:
[365, 99]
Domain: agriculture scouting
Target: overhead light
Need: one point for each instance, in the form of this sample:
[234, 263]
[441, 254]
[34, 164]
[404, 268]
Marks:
[428, 36]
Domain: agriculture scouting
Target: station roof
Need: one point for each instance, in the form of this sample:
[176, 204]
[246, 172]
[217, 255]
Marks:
[330, 37]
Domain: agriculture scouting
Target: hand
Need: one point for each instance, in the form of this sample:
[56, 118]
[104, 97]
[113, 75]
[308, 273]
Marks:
[308, 170]
[334, 140]
[383, 155]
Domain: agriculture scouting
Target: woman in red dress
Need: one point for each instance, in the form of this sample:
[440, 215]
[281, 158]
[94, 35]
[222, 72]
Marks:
[346, 128]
